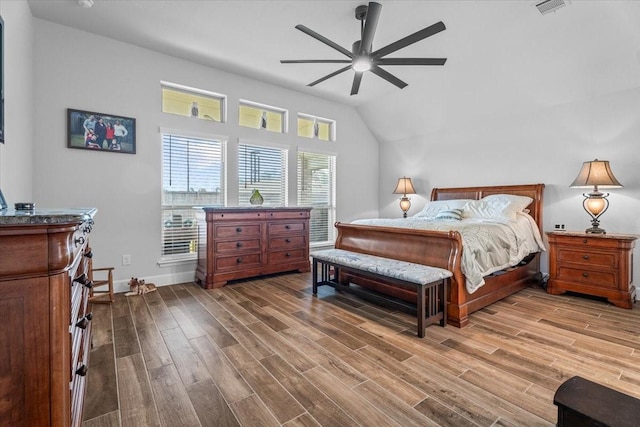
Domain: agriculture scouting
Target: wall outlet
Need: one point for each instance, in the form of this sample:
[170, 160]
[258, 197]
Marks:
[126, 259]
[559, 227]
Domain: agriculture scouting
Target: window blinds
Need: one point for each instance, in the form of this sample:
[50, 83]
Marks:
[316, 188]
[265, 169]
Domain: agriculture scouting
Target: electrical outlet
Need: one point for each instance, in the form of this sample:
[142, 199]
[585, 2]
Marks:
[126, 259]
[559, 227]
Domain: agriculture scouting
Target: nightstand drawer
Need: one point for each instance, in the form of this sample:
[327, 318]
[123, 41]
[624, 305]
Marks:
[588, 258]
[607, 279]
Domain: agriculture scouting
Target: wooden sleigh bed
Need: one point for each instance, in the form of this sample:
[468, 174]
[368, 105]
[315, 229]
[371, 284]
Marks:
[444, 249]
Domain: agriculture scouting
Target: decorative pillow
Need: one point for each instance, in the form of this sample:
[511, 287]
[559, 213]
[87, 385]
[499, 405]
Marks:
[431, 209]
[497, 206]
[450, 214]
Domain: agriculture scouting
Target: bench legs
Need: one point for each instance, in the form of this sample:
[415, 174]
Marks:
[427, 314]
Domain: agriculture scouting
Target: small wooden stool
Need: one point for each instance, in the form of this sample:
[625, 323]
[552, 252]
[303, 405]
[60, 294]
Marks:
[102, 296]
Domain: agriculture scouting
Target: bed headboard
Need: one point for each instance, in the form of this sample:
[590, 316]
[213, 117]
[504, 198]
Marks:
[535, 191]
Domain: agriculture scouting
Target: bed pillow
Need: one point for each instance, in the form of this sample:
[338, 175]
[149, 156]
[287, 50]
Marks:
[497, 206]
[450, 214]
[432, 208]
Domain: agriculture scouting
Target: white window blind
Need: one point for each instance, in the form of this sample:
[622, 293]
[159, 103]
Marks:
[317, 188]
[192, 175]
[265, 169]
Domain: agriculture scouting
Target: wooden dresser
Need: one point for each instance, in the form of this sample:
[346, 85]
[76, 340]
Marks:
[236, 243]
[593, 264]
[46, 332]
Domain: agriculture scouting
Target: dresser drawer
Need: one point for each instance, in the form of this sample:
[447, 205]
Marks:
[286, 227]
[288, 214]
[281, 257]
[237, 230]
[587, 257]
[600, 278]
[237, 262]
[237, 245]
[291, 242]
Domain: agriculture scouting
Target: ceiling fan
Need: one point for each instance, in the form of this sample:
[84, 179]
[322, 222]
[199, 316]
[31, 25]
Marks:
[362, 58]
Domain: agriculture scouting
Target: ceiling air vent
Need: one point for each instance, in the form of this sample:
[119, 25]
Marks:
[549, 6]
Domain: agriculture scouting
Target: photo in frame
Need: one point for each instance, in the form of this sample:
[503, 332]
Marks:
[3, 202]
[89, 130]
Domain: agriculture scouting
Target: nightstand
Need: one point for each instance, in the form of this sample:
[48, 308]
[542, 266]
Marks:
[593, 264]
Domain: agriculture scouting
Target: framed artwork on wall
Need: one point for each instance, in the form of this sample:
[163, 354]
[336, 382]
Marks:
[88, 130]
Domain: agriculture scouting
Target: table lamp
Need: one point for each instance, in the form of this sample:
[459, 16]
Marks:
[596, 173]
[404, 187]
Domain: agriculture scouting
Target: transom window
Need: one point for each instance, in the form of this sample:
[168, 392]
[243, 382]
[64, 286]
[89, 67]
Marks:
[260, 116]
[316, 127]
[192, 102]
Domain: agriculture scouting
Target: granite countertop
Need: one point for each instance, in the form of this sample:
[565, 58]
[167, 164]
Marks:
[45, 216]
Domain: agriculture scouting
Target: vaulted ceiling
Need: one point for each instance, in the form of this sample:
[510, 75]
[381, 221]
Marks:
[503, 56]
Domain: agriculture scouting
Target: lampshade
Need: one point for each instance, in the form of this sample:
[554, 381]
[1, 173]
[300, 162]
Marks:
[596, 173]
[405, 186]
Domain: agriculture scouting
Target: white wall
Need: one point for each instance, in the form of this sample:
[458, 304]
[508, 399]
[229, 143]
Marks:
[16, 155]
[74, 69]
[546, 146]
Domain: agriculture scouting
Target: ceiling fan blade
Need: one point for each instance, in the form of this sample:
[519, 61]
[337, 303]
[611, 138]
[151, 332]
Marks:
[315, 61]
[328, 76]
[388, 76]
[324, 40]
[411, 61]
[370, 24]
[356, 83]
[410, 39]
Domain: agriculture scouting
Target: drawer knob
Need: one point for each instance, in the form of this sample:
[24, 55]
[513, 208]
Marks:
[585, 241]
[239, 229]
[288, 254]
[287, 226]
[82, 370]
[239, 260]
[287, 240]
[239, 245]
[79, 241]
[585, 256]
[585, 274]
[82, 323]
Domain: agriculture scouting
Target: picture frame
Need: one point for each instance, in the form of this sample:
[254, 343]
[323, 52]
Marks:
[89, 130]
[3, 202]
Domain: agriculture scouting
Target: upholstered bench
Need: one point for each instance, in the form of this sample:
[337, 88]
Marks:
[430, 283]
[582, 403]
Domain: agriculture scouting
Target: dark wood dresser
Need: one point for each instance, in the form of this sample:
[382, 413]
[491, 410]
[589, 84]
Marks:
[46, 331]
[236, 243]
[593, 264]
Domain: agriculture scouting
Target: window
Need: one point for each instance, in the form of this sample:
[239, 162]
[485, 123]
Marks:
[317, 188]
[192, 102]
[316, 127]
[259, 116]
[265, 169]
[192, 175]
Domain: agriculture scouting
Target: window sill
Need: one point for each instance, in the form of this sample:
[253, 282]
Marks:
[170, 261]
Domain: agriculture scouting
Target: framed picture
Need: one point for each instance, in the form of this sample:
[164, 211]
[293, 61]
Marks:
[89, 130]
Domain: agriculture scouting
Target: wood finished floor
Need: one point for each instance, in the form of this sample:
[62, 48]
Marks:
[266, 353]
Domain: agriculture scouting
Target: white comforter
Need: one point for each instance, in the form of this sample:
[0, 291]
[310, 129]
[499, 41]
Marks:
[488, 245]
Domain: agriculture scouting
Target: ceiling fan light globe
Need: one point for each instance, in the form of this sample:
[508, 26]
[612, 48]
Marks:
[361, 64]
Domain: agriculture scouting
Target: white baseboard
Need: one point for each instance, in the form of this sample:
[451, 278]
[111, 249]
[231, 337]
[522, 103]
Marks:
[160, 280]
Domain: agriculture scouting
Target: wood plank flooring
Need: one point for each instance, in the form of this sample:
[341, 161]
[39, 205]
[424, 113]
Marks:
[265, 352]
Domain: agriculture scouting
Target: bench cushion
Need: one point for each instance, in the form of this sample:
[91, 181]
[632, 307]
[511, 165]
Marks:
[402, 270]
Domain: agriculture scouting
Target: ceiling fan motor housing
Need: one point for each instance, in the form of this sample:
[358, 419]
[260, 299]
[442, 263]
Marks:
[361, 12]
